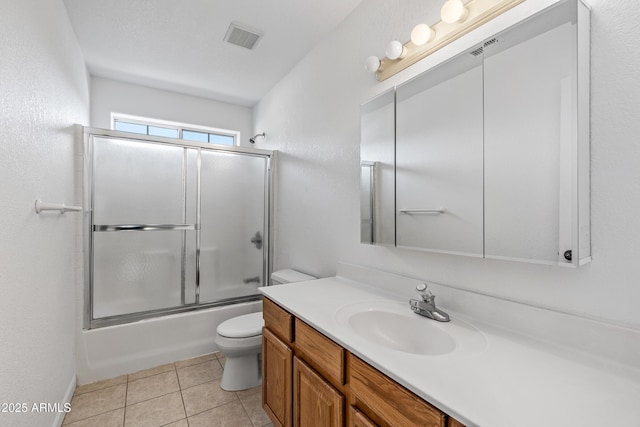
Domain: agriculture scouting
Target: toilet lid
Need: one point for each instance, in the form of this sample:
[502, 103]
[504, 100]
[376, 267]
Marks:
[248, 325]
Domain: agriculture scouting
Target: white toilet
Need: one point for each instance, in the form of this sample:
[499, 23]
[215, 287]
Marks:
[240, 340]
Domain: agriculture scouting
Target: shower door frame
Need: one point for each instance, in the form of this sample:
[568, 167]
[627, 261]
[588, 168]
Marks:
[88, 134]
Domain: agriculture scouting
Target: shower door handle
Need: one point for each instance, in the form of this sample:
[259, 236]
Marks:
[257, 240]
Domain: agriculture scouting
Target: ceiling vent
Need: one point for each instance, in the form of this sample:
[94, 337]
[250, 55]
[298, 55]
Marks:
[480, 50]
[243, 36]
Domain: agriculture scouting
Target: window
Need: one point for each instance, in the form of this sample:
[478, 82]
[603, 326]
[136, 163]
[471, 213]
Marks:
[166, 129]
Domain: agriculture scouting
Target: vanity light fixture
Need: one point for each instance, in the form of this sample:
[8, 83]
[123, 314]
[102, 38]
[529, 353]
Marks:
[453, 11]
[422, 34]
[395, 50]
[372, 64]
[458, 18]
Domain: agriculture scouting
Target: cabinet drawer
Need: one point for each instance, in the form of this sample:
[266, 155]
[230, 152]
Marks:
[387, 402]
[277, 320]
[359, 419]
[320, 352]
[454, 423]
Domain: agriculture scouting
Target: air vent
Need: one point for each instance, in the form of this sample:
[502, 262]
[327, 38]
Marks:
[243, 36]
[479, 50]
[490, 42]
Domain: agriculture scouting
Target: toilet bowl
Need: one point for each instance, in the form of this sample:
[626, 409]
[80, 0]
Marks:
[240, 340]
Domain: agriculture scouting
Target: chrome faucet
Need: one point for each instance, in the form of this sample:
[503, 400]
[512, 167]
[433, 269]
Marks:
[427, 307]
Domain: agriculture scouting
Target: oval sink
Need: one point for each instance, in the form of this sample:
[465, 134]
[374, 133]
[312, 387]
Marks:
[400, 332]
[394, 326]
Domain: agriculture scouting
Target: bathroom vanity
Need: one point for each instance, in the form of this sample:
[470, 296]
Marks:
[308, 379]
[348, 350]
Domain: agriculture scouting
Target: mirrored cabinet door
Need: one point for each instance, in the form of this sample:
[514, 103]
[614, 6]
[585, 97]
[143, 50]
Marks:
[439, 159]
[530, 145]
[377, 170]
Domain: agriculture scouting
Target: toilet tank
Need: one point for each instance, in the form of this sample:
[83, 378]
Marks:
[289, 276]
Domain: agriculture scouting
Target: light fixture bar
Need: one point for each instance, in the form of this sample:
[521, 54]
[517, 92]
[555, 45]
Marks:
[480, 12]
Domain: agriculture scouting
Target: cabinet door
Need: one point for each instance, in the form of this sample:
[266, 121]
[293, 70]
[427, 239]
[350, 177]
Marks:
[439, 180]
[530, 81]
[277, 359]
[315, 402]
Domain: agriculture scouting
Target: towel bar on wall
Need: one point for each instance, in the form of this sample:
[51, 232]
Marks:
[46, 206]
[423, 211]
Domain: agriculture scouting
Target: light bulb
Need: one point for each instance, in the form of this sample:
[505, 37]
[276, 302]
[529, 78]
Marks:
[422, 34]
[372, 64]
[453, 11]
[395, 50]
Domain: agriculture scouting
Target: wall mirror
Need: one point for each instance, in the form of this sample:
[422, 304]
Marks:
[439, 159]
[377, 170]
[492, 146]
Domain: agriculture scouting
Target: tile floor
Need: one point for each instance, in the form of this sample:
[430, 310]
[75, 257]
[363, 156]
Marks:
[181, 394]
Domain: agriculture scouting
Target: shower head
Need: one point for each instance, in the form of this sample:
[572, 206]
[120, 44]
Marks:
[253, 140]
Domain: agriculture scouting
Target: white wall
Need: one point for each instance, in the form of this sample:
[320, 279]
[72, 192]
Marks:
[312, 117]
[44, 89]
[109, 96]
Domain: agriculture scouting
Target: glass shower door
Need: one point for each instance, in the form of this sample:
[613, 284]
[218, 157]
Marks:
[232, 234]
[140, 226]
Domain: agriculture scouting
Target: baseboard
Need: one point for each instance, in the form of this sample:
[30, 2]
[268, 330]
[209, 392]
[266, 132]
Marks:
[68, 394]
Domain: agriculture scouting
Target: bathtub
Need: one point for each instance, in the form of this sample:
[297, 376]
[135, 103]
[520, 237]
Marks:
[123, 349]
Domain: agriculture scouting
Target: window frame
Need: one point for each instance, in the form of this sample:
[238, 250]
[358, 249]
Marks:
[180, 127]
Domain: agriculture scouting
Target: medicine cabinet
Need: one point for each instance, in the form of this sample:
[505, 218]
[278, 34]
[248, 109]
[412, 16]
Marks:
[377, 170]
[488, 152]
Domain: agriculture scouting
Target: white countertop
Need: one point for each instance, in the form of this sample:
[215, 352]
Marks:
[512, 380]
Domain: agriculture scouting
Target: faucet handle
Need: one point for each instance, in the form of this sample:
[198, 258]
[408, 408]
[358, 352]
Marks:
[425, 292]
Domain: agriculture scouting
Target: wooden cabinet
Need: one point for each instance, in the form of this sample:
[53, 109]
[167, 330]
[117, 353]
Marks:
[315, 402]
[320, 352]
[278, 321]
[386, 402]
[454, 423]
[308, 380]
[358, 419]
[277, 360]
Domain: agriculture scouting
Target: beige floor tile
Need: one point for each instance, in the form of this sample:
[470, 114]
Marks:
[96, 402]
[249, 391]
[181, 423]
[81, 389]
[198, 374]
[253, 405]
[229, 415]
[205, 396]
[153, 371]
[150, 387]
[155, 412]
[110, 419]
[222, 358]
[196, 360]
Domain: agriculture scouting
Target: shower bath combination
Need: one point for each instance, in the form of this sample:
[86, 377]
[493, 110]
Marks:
[171, 226]
[253, 140]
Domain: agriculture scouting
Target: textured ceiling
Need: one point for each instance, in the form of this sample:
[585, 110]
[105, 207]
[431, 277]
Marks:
[177, 44]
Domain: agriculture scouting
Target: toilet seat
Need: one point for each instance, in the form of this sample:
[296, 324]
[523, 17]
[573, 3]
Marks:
[248, 325]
